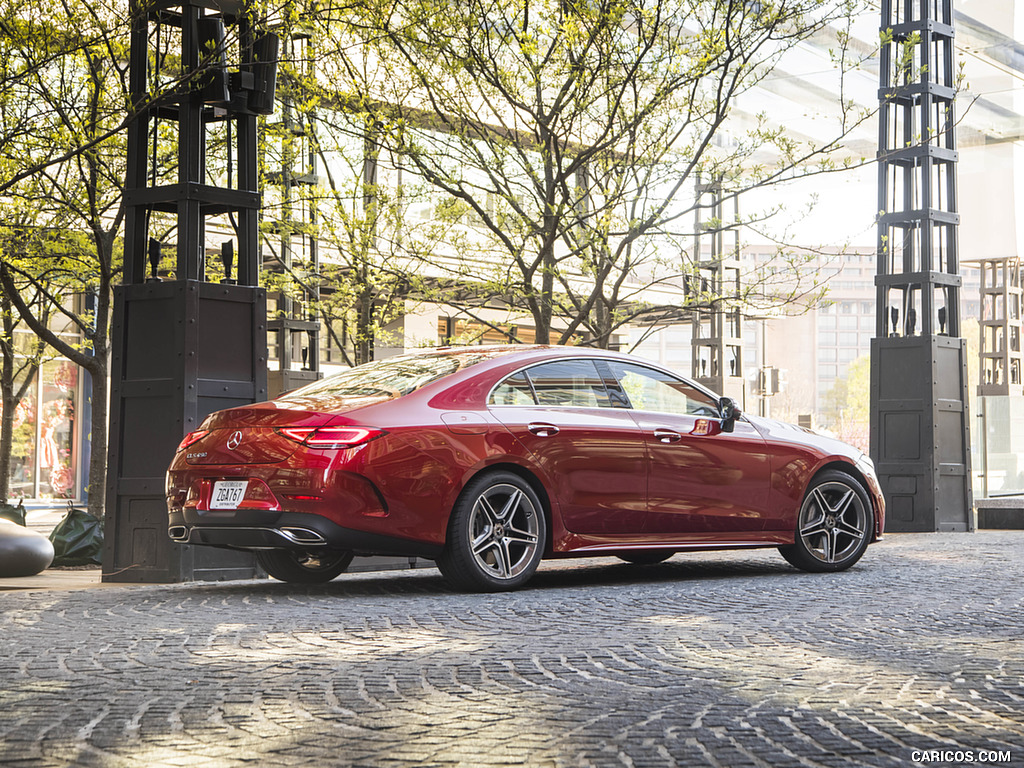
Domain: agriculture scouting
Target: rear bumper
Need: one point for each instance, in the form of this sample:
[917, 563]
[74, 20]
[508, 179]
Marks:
[271, 529]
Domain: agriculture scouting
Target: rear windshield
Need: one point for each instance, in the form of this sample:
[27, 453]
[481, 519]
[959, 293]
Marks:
[385, 379]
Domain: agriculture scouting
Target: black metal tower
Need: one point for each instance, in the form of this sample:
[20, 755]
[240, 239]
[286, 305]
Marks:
[183, 344]
[717, 327]
[920, 440]
[294, 326]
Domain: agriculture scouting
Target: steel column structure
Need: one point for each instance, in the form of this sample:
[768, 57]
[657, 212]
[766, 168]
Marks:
[295, 323]
[184, 347]
[1002, 326]
[920, 440]
[717, 321]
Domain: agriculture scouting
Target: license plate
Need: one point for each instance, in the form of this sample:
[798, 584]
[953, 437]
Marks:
[227, 494]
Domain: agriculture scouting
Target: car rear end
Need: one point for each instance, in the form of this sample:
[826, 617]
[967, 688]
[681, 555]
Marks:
[313, 469]
[256, 477]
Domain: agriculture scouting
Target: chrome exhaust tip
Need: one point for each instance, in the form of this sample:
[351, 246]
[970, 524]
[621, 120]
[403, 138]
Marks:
[302, 536]
[178, 532]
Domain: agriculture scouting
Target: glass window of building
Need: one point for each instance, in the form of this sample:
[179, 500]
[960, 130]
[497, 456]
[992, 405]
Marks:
[848, 355]
[44, 450]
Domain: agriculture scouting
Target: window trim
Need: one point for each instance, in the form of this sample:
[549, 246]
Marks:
[573, 359]
[525, 368]
[716, 400]
[529, 383]
[606, 375]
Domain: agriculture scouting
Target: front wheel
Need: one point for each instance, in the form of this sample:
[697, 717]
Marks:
[834, 526]
[303, 567]
[496, 535]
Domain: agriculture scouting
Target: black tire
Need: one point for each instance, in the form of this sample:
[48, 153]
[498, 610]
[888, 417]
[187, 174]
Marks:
[496, 535]
[645, 556]
[835, 524]
[301, 567]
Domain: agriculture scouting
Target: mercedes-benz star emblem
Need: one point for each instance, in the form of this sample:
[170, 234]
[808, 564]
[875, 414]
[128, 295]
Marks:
[234, 441]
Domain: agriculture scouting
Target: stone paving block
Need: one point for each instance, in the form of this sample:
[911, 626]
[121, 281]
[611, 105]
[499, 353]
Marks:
[721, 659]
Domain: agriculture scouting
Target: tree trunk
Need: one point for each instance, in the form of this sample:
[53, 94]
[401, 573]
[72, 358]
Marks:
[545, 301]
[364, 340]
[602, 324]
[6, 436]
[98, 409]
[99, 368]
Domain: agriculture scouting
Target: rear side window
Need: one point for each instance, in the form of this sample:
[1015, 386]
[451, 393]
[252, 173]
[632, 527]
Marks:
[574, 383]
[515, 390]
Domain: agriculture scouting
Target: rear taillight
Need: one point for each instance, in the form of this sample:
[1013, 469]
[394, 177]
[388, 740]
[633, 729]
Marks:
[192, 437]
[331, 437]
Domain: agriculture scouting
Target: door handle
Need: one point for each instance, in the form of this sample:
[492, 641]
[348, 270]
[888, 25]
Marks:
[667, 436]
[543, 430]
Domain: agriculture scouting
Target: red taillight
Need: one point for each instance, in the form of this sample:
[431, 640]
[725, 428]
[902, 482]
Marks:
[330, 437]
[192, 437]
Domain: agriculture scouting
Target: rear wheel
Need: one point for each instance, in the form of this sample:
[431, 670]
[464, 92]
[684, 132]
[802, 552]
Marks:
[834, 526]
[495, 536]
[303, 567]
[644, 556]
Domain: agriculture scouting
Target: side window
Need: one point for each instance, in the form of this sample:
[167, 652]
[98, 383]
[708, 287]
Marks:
[569, 382]
[652, 390]
[515, 390]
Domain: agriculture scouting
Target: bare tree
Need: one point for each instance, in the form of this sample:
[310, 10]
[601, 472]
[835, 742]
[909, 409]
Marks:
[64, 102]
[569, 137]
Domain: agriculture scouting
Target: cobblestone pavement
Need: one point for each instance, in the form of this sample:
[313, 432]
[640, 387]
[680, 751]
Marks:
[729, 660]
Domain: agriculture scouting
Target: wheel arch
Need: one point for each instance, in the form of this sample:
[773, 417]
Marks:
[528, 477]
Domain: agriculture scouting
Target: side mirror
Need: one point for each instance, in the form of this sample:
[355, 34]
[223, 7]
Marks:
[730, 412]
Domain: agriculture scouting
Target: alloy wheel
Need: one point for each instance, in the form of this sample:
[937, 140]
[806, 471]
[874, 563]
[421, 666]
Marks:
[504, 526]
[833, 522]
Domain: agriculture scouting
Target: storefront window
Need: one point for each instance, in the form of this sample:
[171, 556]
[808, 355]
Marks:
[56, 430]
[23, 449]
[44, 452]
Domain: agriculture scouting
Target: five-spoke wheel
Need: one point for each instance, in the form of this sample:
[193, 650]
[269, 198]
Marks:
[834, 526]
[496, 534]
[312, 567]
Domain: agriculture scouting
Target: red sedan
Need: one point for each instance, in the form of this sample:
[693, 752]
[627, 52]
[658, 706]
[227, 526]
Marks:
[488, 459]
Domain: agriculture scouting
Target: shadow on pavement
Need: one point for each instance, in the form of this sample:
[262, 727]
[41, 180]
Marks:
[552, 575]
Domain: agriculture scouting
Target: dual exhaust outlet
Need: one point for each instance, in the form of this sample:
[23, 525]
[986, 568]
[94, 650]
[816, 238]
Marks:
[254, 538]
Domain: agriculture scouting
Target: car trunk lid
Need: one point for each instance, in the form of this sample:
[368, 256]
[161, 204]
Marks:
[249, 434]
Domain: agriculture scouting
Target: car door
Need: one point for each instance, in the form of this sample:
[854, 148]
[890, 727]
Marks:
[701, 480]
[592, 455]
